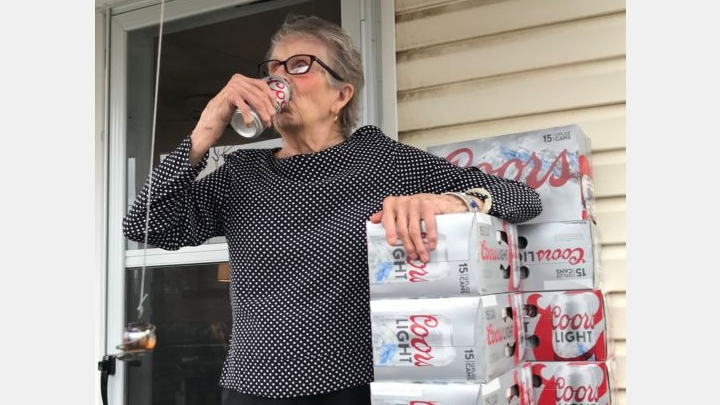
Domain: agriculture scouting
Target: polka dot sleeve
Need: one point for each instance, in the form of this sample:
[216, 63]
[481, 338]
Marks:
[182, 212]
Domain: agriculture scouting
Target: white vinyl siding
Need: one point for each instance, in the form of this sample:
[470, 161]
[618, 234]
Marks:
[479, 68]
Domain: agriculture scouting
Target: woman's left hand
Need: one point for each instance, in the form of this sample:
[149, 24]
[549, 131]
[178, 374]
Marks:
[411, 219]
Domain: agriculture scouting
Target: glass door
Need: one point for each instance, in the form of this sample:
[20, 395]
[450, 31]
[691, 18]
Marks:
[203, 44]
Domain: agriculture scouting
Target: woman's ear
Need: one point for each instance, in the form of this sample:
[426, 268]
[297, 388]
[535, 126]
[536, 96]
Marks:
[345, 93]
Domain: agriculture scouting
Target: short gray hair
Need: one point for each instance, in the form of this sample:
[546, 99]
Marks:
[345, 58]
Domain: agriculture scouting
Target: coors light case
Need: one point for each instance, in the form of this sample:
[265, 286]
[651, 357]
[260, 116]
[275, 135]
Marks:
[574, 382]
[554, 161]
[513, 387]
[457, 339]
[476, 254]
[567, 325]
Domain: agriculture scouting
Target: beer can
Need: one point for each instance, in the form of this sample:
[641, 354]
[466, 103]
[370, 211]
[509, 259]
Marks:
[281, 89]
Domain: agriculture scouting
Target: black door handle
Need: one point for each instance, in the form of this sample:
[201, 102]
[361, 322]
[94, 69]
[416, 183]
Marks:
[107, 368]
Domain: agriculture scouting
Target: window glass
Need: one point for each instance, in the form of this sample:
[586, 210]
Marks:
[189, 306]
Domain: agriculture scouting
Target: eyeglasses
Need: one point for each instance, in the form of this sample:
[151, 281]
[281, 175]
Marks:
[294, 65]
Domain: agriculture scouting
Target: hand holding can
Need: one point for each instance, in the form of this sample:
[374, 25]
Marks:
[281, 89]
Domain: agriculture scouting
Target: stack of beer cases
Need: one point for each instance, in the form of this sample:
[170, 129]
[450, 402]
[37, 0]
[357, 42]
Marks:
[568, 339]
[449, 331]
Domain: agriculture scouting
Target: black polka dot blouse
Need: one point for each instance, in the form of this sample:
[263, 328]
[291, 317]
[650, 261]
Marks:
[295, 230]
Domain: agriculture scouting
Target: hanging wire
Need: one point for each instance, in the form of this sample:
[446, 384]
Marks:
[143, 295]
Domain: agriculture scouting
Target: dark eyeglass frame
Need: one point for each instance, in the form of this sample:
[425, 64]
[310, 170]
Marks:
[313, 58]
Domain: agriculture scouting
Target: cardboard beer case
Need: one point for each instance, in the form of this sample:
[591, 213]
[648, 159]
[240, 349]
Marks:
[476, 254]
[554, 161]
[574, 382]
[569, 325]
[456, 339]
[562, 255]
[513, 387]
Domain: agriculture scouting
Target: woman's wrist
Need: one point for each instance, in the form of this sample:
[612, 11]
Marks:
[199, 146]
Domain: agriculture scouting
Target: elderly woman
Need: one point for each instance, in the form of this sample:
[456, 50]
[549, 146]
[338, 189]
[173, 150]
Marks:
[294, 218]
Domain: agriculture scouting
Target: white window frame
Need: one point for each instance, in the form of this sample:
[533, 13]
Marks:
[370, 23]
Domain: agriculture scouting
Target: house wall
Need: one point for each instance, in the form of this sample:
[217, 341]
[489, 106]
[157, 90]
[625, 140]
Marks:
[479, 68]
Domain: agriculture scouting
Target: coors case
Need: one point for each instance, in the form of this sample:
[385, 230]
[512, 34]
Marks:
[576, 383]
[476, 254]
[554, 161]
[560, 256]
[457, 339]
[566, 326]
[513, 387]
